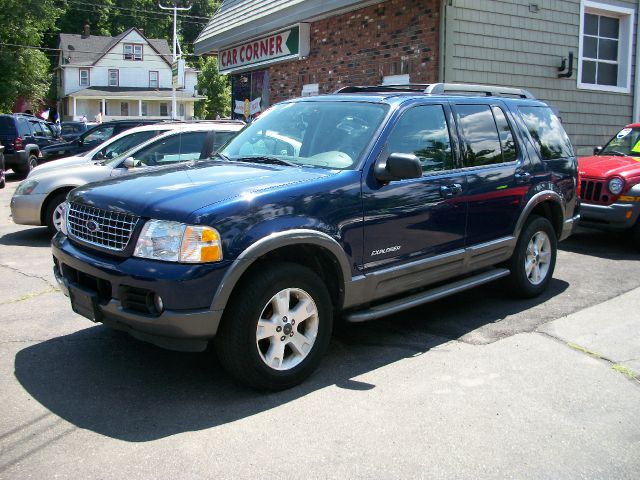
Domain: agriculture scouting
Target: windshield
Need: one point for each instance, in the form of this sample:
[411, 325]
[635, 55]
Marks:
[319, 134]
[626, 143]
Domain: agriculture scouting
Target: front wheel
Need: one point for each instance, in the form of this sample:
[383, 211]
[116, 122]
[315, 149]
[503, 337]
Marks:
[53, 216]
[276, 327]
[534, 258]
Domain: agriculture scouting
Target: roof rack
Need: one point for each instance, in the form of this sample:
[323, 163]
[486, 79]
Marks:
[445, 89]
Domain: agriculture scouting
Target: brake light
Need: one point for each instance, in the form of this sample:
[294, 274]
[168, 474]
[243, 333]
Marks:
[17, 144]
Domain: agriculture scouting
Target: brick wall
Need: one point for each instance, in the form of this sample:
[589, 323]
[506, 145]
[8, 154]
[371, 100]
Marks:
[358, 48]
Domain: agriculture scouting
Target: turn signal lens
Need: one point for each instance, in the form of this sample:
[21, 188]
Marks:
[200, 244]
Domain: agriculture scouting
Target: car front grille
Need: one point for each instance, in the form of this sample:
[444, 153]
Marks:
[595, 191]
[106, 229]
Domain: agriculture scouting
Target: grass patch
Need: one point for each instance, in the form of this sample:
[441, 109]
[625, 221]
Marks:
[582, 349]
[623, 370]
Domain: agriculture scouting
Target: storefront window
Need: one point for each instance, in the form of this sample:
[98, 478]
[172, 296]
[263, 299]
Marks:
[250, 94]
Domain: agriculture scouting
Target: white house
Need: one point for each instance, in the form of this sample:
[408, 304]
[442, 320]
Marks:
[128, 76]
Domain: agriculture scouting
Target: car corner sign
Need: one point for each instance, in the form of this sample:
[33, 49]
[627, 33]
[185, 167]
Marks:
[284, 45]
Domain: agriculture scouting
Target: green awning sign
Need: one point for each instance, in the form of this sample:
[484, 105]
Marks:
[284, 45]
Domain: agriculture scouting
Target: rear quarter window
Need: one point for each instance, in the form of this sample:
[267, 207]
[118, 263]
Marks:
[547, 132]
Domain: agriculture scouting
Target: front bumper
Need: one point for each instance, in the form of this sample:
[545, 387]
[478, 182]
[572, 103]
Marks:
[25, 209]
[617, 217]
[187, 322]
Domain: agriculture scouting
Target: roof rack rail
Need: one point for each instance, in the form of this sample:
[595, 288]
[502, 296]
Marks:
[469, 88]
[444, 89]
[219, 120]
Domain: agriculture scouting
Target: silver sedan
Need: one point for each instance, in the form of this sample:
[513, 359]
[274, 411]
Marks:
[38, 198]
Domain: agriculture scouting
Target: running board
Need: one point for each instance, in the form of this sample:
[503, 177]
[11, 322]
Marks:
[421, 298]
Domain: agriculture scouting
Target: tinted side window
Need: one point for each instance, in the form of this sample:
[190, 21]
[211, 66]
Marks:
[46, 131]
[423, 131]
[481, 143]
[546, 130]
[509, 153]
[24, 128]
[37, 129]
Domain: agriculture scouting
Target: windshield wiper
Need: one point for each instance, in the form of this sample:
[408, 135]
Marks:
[616, 153]
[266, 159]
[222, 156]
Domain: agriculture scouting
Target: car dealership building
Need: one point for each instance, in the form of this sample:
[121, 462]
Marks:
[577, 55]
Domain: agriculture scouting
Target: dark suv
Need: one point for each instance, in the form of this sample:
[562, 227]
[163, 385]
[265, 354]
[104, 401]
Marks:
[361, 204]
[92, 138]
[24, 137]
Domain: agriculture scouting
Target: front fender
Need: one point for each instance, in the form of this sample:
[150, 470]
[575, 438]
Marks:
[272, 242]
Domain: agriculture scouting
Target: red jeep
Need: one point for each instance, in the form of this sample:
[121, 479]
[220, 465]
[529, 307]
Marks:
[610, 184]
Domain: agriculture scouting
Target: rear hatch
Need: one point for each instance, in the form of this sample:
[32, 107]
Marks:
[8, 133]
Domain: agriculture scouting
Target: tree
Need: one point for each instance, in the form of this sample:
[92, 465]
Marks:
[25, 71]
[218, 90]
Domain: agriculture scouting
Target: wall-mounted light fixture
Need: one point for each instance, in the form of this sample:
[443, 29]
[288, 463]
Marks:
[563, 66]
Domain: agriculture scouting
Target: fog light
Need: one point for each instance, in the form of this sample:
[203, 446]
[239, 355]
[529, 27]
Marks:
[157, 302]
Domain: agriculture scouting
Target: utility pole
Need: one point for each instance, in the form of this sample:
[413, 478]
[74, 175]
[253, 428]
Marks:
[175, 8]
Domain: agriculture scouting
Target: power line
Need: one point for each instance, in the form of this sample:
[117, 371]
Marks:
[159, 15]
[135, 9]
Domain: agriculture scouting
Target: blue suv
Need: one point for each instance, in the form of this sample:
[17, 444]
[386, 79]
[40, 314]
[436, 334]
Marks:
[358, 204]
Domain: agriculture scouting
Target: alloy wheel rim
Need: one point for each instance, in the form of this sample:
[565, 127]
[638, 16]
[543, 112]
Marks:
[538, 258]
[287, 329]
[57, 217]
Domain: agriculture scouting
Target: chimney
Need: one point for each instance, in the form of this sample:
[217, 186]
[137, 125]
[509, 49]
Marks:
[85, 30]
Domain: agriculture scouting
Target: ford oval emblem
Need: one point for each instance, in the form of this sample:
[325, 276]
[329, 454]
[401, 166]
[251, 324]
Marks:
[93, 226]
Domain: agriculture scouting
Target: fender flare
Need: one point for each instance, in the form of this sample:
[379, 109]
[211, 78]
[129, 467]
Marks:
[272, 242]
[537, 199]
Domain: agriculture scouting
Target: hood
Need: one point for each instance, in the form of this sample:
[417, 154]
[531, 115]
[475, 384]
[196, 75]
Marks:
[174, 193]
[606, 166]
[61, 164]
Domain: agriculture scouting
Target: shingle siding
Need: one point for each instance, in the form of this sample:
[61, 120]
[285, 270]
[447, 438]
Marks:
[502, 42]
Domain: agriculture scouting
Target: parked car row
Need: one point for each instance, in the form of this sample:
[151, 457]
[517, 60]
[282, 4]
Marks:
[37, 200]
[359, 204]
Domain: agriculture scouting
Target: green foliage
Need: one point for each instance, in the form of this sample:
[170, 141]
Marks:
[25, 72]
[218, 90]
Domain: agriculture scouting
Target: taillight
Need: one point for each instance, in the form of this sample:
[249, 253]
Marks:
[18, 143]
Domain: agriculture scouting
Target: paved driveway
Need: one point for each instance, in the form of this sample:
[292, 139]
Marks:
[474, 386]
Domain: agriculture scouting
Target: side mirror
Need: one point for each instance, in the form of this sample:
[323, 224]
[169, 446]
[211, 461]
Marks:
[398, 166]
[597, 150]
[99, 156]
[129, 162]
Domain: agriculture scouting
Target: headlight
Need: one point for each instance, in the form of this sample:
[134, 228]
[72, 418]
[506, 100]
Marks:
[26, 187]
[616, 185]
[63, 225]
[177, 242]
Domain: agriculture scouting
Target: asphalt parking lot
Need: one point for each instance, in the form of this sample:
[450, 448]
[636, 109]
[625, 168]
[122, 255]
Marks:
[477, 385]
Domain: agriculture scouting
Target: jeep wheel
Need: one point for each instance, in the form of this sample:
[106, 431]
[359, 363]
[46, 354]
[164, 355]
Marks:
[276, 327]
[53, 214]
[32, 162]
[534, 258]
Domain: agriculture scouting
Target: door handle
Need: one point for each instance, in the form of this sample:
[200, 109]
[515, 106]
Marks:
[523, 177]
[448, 191]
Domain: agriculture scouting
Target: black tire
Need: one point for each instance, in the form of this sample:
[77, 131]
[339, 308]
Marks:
[635, 235]
[236, 340]
[521, 283]
[50, 210]
[32, 162]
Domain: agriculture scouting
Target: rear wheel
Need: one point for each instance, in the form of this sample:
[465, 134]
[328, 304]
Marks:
[32, 162]
[534, 258]
[276, 327]
[53, 215]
